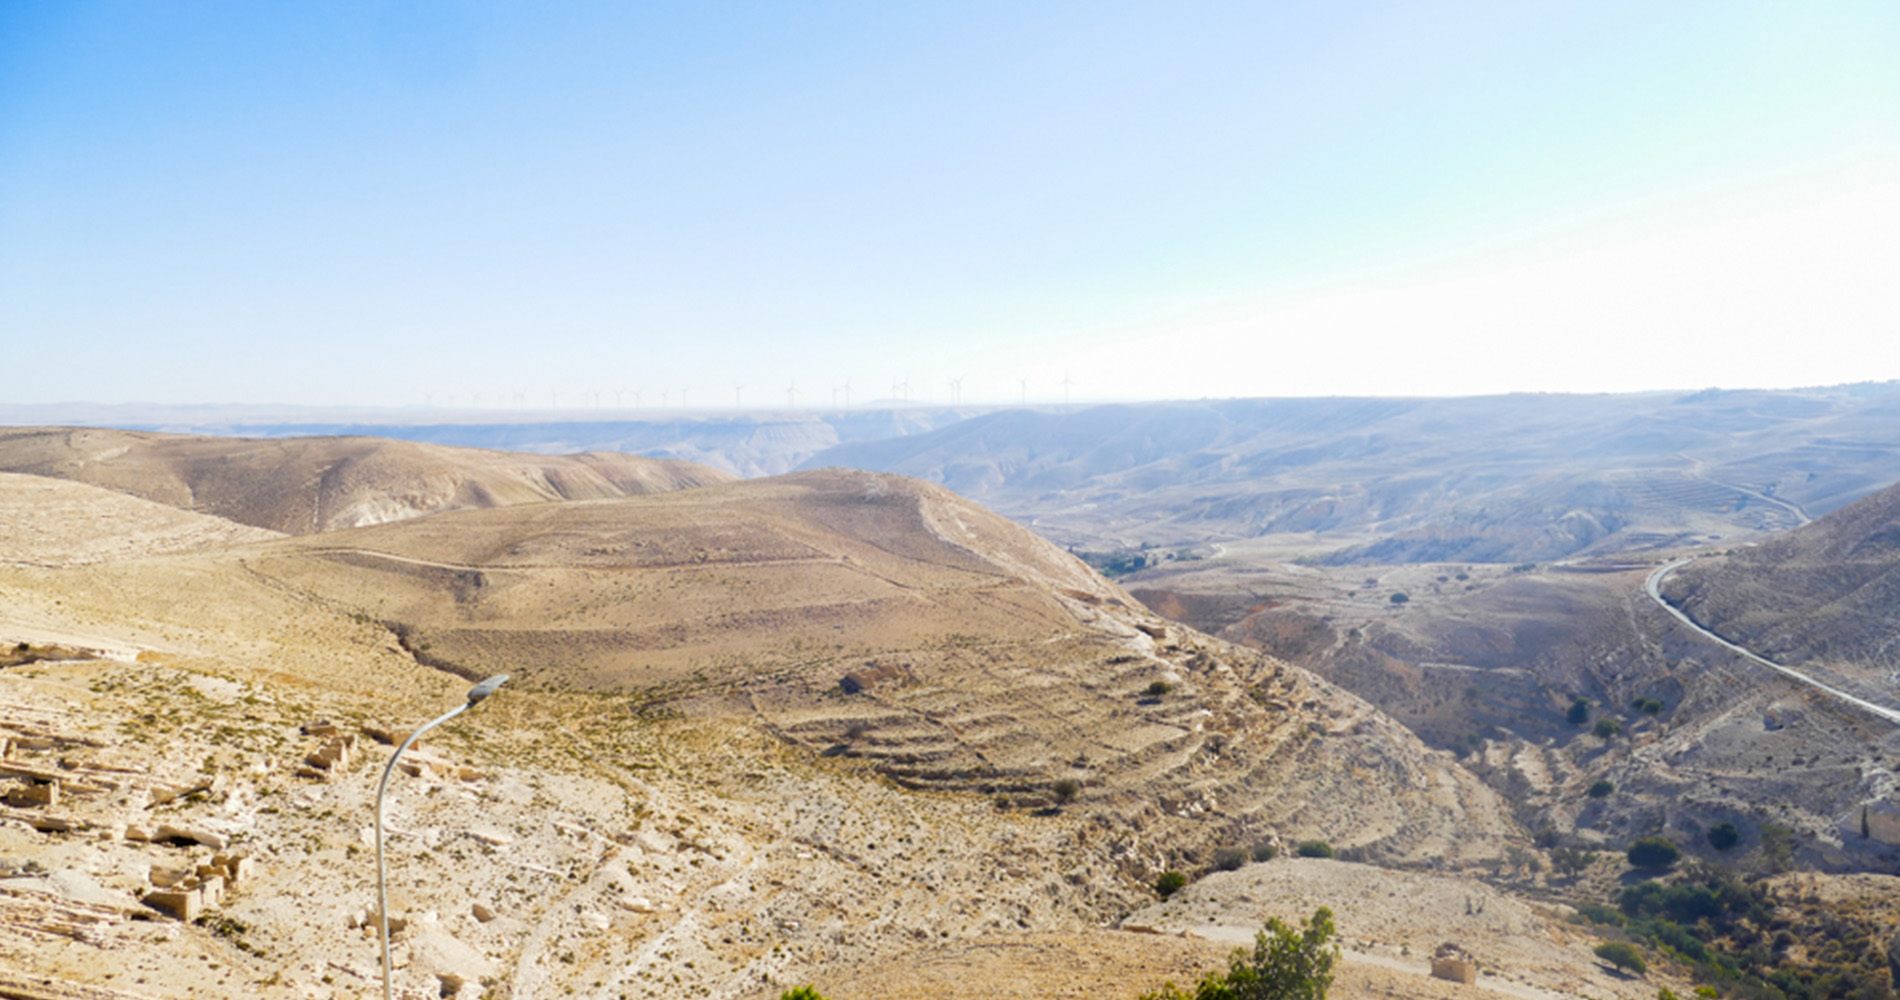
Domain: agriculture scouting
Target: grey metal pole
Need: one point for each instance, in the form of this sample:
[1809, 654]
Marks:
[475, 695]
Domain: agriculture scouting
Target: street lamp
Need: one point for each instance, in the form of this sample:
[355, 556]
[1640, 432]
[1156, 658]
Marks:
[475, 695]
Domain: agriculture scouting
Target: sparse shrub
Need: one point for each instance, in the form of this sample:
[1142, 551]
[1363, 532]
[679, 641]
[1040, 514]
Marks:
[1623, 955]
[1229, 859]
[1066, 789]
[1314, 849]
[1159, 688]
[1647, 706]
[801, 993]
[1723, 836]
[1285, 964]
[1666, 993]
[1601, 787]
[1597, 913]
[1265, 851]
[1608, 728]
[1400, 597]
[1170, 883]
[1571, 861]
[1654, 853]
[1462, 577]
[1579, 712]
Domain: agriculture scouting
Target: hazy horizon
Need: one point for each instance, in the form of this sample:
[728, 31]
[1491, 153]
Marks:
[423, 204]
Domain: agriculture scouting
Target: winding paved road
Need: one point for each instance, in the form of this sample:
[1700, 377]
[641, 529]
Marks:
[1654, 586]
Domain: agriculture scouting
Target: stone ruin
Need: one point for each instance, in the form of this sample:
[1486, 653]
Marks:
[1453, 963]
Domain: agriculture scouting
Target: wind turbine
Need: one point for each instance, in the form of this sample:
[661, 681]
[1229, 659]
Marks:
[736, 390]
[662, 399]
[956, 390]
[791, 396]
[1024, 383]
[555, 395]
[904, 388]
[636, 399]
[847, 393]
[1065, 389]
[682, 397]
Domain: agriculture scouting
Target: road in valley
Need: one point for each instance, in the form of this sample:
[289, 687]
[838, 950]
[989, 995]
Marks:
[1654, 586]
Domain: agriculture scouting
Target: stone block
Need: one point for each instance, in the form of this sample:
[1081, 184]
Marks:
[181, 904]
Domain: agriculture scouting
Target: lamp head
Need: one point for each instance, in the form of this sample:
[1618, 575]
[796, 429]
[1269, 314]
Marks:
[485, 688]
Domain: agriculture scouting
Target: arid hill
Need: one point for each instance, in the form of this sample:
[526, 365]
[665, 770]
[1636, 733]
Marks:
[881, 619]
[1490, 661]
[304, 485]
[52, 522]
[1829, 591]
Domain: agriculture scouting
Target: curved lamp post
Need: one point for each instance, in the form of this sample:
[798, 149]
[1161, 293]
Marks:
[475, 695]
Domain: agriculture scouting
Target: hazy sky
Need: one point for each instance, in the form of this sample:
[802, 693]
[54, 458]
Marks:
[382, 203]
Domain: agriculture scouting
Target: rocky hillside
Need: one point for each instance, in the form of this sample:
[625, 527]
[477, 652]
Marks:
[883, 620]
[1675, 734]
[313, 484]
[1829, 591]
[859, 746]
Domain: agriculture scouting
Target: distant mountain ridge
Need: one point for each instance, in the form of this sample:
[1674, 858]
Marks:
[1490, 479]
[311, 484]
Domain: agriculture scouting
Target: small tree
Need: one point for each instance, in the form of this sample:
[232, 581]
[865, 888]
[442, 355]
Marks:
[1285, 964]
[1400, 598]
[1654, 853]
[1579, 712]
[1170, 883]
[1723, 836]
[1608, 728]
[1601, 788]
[801, 993]
[1066, 789]
[1623, 955]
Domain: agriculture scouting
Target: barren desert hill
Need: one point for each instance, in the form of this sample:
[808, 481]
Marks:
[1828, 591]
[303, 485]
[1491, 662]
[888, 621]
[717, 835]
[54, 522]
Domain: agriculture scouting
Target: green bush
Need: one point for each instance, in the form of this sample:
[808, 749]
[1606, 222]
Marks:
[1314, 849]
[1607, 728]
[1158, 688]
[1285, 964]
[1601, 788]
[1400, 598]
[1654, 853]
[1623, 955]
[801, 993]
[1723, 836]
[1579, 712]
[1170, 883]
[1265, 851]
[1066, 789]
[1229, 859]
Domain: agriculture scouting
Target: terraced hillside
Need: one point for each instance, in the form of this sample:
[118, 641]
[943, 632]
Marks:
[312, 484]
[881, 620]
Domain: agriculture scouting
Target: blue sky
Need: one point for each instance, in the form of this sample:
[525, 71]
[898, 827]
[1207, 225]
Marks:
[387, 203]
